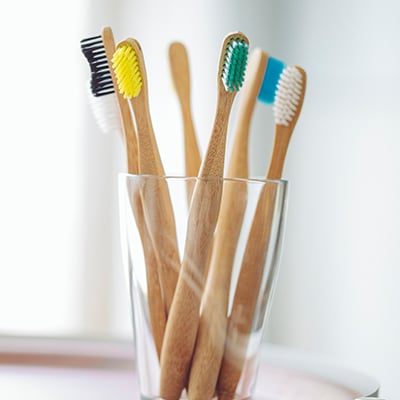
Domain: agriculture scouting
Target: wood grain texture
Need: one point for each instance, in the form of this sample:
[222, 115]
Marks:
[253, 263]
[246, 295]
[126, 115]
[157, 312]
[156, 199]
[180, 72]
[211, 335]
[182, 324]
[238, 166]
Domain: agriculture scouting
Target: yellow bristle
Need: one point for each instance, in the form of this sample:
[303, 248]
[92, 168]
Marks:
[127, 71]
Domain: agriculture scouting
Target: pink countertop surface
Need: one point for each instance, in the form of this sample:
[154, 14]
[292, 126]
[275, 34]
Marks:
[61, 369]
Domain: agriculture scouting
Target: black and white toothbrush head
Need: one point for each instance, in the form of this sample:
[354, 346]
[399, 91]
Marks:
[101, 82]
[102, 97]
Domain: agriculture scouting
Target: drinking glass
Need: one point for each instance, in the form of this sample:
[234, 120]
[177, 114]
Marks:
[225, 254]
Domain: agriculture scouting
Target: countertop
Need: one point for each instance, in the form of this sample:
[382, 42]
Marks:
[70, 368]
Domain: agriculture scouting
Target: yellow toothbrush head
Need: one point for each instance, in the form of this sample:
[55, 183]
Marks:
[128, 66]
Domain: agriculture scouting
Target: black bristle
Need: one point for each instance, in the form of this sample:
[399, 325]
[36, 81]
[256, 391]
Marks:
[101, 81]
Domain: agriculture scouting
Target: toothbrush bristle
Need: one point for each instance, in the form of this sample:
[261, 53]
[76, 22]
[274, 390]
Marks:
[234, 65]
[271, 77]
[126, 67]
[288, 95]
[101, 82]
[106, 112]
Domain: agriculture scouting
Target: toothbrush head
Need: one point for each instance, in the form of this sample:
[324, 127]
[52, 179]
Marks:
[106, 112]
[126, 63]
[289, 96]
[101, 82]
[233, 61]
[271, 77]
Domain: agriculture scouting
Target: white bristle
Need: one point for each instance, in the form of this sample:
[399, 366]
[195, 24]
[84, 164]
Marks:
[106, 112]
[287, 95]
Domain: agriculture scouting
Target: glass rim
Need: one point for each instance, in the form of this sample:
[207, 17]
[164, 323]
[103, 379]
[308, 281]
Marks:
[252, 179]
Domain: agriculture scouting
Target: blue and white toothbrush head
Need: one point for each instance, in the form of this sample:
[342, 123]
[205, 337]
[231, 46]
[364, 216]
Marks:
[272, 74]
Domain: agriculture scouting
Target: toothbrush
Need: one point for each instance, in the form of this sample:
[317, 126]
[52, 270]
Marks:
[213, 320]
[126, 115]
[288, 102]
[182, 324]
[129, 67]
[287, 106]
[99, 51]
[179, 64]
[155, 301]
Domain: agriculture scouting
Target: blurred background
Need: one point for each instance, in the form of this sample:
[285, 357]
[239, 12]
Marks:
[60, 262]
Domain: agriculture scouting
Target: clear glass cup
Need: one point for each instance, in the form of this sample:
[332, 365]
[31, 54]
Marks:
[202, 256]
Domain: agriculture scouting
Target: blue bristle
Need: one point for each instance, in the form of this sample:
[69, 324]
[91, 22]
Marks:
[271, 78]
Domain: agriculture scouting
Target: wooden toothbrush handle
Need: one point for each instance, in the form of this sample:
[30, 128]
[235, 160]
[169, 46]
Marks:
[157, 314]
[279, 149]
[192, 152]
[156, 198]
[211, 336]
[125, 112]
[180, 71]
[210, 343]
[160, 221]
[246, 295]
[130, 140]
[182, 324]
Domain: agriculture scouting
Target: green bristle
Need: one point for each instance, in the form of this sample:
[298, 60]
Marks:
[234, 66]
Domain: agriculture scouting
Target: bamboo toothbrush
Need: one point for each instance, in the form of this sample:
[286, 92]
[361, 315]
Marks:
[126, 115]
[130, 70]
[157, 312]
[99, 51]
[213, 320]
[287, 106]
[180, 335]
[179, 64]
